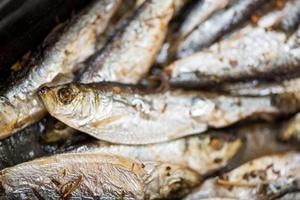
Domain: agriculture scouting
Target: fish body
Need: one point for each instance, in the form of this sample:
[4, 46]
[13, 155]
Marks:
[213, 28]
[285, 19]
[253, 54]
[204, 154]
[130, 53]
[261, 88]
[268, 177]
[95, 176]
[201, 12]
[19, 103]
[127, 114]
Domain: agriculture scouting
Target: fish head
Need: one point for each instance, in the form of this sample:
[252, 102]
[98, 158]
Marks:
[172, 181]
[63, 101]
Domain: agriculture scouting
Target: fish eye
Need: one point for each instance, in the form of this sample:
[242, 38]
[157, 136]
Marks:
[65, 95]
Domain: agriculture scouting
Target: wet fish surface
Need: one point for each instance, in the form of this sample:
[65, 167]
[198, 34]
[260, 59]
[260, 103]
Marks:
[132, 50]
[127, 114]
[254, 54]
[201, 12]
[213, 28]
[205, 153]
[19, 103]
[95, 176]
[269, 177]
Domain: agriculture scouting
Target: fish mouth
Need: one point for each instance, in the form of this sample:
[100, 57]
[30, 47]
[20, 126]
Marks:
[43, 91]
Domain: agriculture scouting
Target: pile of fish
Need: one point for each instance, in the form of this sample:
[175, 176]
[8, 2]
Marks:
[152, 99]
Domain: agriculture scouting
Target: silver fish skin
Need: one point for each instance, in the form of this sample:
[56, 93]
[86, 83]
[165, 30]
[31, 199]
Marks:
[129, 115]
[204, 154]
[253, 54]
[132, 50]
[291, 130]
[285, 19]
[95, 176]
[267, 177]
[19, 103]
[213, 28]
[260, 88]
[201, 12]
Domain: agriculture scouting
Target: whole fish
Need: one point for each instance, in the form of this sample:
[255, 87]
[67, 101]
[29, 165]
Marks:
[202, 10]
[269, 177]
[131, 115]
[204, 154]
[291, 130]
[216, 26]
[95, 176]
[132, 50]
[254, 54]
[19, 103]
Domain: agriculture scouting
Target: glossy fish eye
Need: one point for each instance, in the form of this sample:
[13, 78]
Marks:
[65, 95]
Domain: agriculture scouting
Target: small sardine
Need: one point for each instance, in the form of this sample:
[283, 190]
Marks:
[132, 50]
[204, 154]
[126, 114]
[291, 130]
[216, 26]
[269, 177]
[19, 103]
[253, 54]
[95, 176]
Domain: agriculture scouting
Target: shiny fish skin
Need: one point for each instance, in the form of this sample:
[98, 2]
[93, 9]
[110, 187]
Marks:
[256, 88]
[285, 19]
[291, 130]
[132, 50]
[202, 11]
[253, 54]
[19, 104]
[204, 154]
[95, 176]
[263, 178]
[126, 114]
[212, 29]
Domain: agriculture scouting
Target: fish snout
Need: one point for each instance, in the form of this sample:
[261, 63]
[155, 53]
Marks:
[44, 90]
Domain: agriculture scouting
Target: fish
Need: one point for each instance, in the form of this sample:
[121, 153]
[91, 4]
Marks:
[205, 154]
[260, 139]
[260, 88]
[95, 176]
[285, 19]
[34, 141]
[129, 114]
[290, 131]
[131, 51]
[201, 11]
[254, 54]
[217, 25]
[268, 177]
[62, 50]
